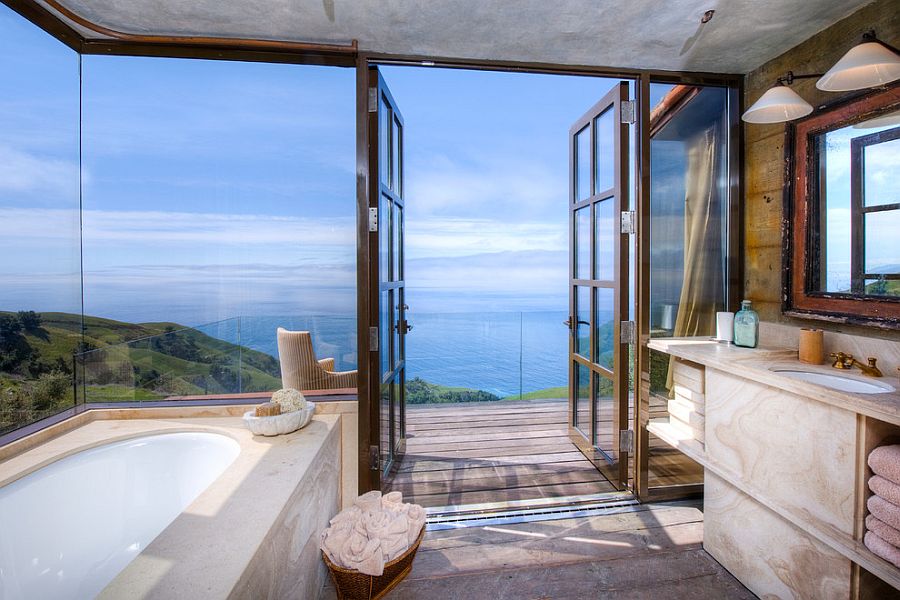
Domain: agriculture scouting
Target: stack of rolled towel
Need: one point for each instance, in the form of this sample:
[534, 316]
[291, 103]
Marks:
[883, 523]
[375, 530]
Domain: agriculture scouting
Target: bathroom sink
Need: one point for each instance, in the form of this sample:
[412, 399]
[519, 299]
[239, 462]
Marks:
[838, 382]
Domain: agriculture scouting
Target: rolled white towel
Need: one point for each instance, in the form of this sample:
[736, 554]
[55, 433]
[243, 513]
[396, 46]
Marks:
[362, 554]
[395, 539]
[369, 501]
[334, 539]
[415, 515]
[393, 502]
[351, 515]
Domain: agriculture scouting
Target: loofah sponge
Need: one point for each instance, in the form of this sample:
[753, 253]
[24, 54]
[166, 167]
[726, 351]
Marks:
[289, 399]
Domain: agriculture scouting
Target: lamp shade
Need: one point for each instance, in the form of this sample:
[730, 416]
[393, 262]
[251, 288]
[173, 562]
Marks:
[777, 105]
[865, 65]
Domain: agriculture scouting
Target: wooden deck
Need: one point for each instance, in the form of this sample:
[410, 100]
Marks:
[497, 452]
[460, 454]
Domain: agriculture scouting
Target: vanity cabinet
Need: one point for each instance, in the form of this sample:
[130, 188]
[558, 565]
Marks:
[785, 473]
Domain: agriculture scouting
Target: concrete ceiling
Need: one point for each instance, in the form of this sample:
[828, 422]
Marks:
[653, 34]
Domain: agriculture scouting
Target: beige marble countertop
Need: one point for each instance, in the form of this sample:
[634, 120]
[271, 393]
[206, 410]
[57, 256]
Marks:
[757, 364]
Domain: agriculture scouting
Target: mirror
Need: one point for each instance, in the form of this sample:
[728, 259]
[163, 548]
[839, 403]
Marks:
[842, 217]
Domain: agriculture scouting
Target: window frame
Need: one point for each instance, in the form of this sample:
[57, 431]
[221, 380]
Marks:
[802, 224]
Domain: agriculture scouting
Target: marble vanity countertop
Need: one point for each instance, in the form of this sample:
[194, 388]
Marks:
[760, 364]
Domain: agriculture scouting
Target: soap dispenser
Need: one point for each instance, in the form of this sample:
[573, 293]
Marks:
[746, 326]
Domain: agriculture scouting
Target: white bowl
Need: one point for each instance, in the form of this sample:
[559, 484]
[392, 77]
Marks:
[279, 424]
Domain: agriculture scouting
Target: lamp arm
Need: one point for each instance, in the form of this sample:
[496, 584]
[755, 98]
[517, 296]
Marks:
[789, 77]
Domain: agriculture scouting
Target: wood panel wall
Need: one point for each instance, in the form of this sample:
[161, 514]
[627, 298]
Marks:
[764, 153]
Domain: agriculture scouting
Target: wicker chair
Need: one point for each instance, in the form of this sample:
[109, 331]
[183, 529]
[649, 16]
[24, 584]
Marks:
[300, 369]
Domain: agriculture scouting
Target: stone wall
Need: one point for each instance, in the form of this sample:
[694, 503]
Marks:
[764, 152]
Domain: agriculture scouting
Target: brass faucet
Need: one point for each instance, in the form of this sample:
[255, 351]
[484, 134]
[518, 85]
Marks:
[846, 361]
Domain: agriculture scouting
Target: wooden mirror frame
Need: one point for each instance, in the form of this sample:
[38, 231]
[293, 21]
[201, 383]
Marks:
[800, 239]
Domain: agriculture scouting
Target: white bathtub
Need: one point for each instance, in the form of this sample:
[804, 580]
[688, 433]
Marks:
[67, 529]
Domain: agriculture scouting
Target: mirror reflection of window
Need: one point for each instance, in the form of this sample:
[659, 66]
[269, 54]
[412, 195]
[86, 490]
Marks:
[859, 208]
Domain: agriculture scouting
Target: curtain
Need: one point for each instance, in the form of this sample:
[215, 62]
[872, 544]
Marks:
[702, 282]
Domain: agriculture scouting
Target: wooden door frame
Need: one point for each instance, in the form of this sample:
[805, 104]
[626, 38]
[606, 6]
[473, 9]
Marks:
[612, 100]
[639, 187]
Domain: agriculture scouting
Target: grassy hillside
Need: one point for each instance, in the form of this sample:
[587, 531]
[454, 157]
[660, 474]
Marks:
[159, 360]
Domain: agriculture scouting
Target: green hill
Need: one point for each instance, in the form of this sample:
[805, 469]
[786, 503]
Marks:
[38, 372]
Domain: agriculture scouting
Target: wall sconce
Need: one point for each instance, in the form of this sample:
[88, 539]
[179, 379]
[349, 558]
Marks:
[868, 64]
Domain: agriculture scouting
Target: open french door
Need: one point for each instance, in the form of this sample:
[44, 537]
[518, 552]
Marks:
[598, 285]
[387, 314]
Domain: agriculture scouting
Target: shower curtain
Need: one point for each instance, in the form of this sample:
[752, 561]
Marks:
[702, 280]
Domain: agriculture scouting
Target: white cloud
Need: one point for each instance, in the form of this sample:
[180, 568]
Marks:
[24, 172]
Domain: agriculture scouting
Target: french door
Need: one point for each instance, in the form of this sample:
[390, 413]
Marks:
[598, 285]
[387, 343]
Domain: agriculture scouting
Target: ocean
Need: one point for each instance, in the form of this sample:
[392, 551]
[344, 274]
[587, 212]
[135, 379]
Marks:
[504, 353]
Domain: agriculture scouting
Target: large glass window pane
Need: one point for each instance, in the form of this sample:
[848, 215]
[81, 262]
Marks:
[605, 236]
[583, 321]
[39, 222]
[583, 243]
[604, 152]
[583, 164]
[583, 399]
[605, 319]
[218, 191]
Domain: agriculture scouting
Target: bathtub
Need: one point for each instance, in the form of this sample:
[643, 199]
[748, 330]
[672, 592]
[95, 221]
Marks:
[67, 529]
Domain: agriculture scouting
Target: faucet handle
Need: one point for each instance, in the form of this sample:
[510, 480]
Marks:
[872, 361]
[841, 360]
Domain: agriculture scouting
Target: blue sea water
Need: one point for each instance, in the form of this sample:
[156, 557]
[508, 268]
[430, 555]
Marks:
[505, 353]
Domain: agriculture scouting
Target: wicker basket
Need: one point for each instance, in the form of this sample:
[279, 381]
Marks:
[353, 585]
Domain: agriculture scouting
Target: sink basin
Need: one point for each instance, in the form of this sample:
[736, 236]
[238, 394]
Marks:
[838, 382]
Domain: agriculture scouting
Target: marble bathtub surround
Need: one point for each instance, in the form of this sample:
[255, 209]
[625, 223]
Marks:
[267, 509]
[373, 531]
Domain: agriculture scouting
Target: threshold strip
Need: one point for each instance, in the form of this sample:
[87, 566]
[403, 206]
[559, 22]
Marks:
[526, 511]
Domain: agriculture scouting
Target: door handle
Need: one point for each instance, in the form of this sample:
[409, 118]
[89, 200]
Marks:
[568, 322]
[404, 327]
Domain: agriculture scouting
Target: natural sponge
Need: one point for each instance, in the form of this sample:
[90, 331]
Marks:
[289, 399]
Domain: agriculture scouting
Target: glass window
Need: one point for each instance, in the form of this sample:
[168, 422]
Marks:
[40, 293]
[583, 164]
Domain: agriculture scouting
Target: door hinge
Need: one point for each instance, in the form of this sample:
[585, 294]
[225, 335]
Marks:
[373, 339]
[373, 99]
[626, 110]
[628, 222]
[373, 220]
[374, 458]
[627, 332]
[626, 440]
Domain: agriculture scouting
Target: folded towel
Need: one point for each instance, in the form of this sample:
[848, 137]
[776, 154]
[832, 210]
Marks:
[883, 530]
[885, 461]
[362, 554]
[415, 515]
[884, 510]
[885, 488]
[881, 548]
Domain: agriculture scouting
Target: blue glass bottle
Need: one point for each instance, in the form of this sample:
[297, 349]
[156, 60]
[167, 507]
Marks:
[746, 326]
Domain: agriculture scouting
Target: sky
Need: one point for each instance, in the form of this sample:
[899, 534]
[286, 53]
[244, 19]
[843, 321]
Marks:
[214, 189]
